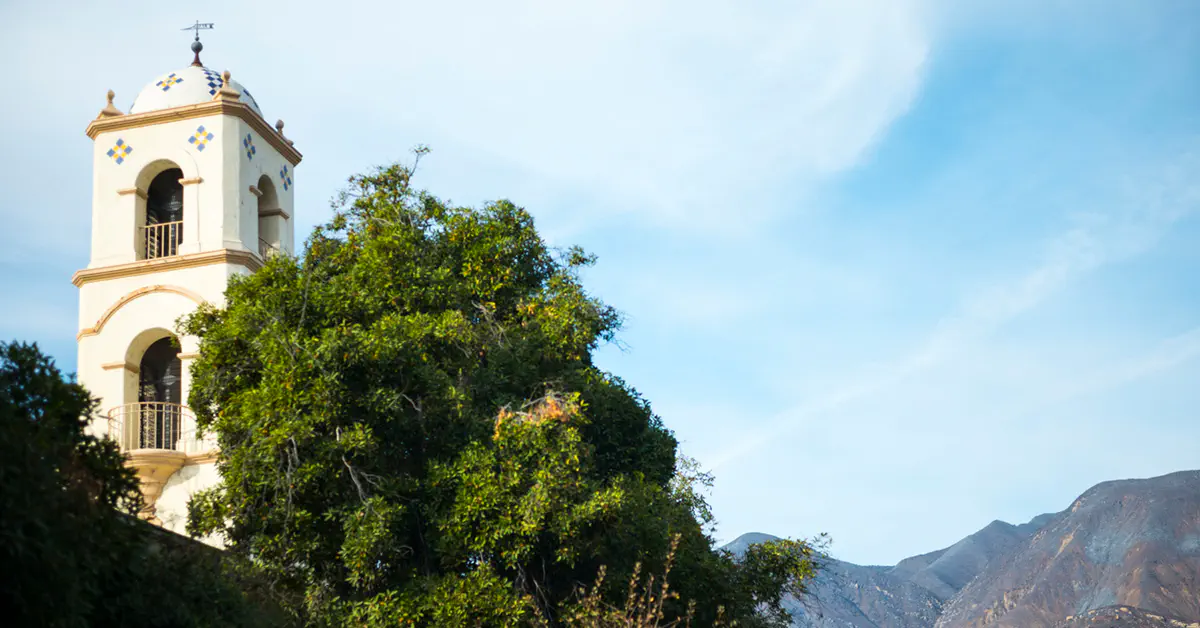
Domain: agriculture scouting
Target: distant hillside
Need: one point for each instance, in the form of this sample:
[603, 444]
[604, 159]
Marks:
[949, 570]
[1123, 617]
[1129, 542]
[1126, 552]
[912, 593]
[847, 595]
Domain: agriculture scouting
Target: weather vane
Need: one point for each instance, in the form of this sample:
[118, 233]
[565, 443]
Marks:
[196, 45]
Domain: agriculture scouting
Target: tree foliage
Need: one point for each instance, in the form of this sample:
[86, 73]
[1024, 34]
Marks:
[72, 551]
[412, 431]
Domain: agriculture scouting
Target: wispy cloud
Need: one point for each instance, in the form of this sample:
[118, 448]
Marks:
[1128, 227]
[1166, 355]
[680, 112]
[687, 115]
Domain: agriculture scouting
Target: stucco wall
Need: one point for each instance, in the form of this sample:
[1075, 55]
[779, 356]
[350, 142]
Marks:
[220, 210]
[172, 505]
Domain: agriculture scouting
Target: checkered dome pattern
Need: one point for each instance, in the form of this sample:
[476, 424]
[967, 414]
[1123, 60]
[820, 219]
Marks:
[189, 86]
[213, 81]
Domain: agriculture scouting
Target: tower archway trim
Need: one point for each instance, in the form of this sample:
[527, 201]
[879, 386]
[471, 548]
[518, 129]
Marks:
[136, 294]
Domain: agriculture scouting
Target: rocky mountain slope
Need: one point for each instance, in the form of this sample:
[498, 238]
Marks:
[1123, 617]
[1130, 542]
[1125, 551]
[848, 595]
[911, 594]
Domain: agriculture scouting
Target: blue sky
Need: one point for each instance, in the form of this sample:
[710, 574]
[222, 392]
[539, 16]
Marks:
[891, 269]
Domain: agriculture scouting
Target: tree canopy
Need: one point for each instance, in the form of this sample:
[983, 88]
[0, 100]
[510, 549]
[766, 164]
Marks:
[412, 431]
[72, 551]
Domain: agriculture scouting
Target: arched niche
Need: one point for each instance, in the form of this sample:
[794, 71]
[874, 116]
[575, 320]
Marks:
[159, 217]
[135, 351]
[160, 395]
[151, 415]
[271, 218]
[152, 170]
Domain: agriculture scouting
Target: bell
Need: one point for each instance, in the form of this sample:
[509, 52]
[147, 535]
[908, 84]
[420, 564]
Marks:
[173, 208]
[164, 200]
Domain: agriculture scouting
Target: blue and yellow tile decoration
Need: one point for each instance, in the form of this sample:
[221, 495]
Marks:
[120, 151]
[285, 177]
[200, 138]
[169, 82]
[248, 144]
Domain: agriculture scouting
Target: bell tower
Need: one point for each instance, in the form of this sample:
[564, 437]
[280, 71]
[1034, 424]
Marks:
[190, 187]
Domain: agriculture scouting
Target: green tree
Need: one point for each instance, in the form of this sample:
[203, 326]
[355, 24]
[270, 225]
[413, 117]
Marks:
[72, 551]
[60, 492]
[412, 431]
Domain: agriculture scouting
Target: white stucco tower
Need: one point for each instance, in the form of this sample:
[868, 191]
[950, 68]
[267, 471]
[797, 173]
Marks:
[189, 188]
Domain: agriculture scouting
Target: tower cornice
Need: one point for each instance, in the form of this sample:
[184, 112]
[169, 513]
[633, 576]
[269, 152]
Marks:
[191, 260]
[217, 107]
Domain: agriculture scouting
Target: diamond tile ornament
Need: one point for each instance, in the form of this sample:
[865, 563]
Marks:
[120, 151]
[286, 177]
[200, 138]
[248, 144]
[169, 82]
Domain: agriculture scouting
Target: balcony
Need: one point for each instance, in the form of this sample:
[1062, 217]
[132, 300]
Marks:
[157, 438]
[266, 249]
[149, 425]
[162, 239]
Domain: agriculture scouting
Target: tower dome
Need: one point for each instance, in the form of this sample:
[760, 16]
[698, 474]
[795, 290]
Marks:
[192, 85]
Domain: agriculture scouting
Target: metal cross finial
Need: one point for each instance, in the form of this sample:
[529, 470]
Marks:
[196, 45]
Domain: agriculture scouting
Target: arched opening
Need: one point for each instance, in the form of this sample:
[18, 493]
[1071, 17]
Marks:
[151, 414]
[160, 388]
[270, 218]
[162, 232]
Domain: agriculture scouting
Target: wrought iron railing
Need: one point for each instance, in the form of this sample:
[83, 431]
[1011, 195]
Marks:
[162, 239]
[155, 425]
[266, 248]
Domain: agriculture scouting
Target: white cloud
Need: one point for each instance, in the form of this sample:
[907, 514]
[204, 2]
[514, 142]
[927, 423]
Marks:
[701, 108]
[686, 114]
[1166, 355]
[1130, 225]
[1002, 431]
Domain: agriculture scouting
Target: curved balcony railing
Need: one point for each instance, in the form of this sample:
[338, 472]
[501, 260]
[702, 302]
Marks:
[156, 425]
[162, 239]
[266, 248]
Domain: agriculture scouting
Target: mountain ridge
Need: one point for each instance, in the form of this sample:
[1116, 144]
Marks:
[1123, 551]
